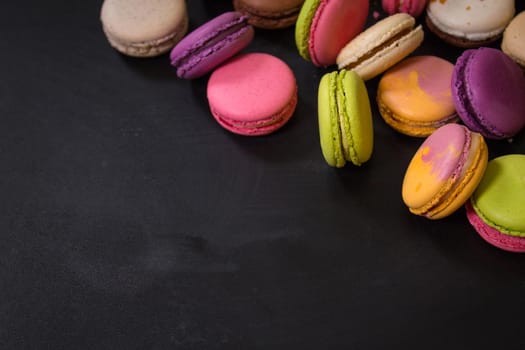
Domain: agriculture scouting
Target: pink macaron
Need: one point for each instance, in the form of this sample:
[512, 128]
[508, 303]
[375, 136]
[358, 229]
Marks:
[252, 94]
[412, 7]
[324, 27]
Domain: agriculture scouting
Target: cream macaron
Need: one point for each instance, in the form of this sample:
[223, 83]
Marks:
[513, 43]
[144, 28]
[467, 23]
[381, 46]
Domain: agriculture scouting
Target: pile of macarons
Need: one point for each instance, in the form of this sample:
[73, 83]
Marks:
[457, 108]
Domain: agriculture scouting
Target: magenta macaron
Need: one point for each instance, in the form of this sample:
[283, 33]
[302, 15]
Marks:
[211, 44]
[252, 94]
[488, 88]
[412, 7]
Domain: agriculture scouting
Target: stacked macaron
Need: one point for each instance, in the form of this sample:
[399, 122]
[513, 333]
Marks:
[459, 108]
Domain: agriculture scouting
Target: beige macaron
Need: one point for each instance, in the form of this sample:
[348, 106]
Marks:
[513, 43]
[381, 46]
[144, 28]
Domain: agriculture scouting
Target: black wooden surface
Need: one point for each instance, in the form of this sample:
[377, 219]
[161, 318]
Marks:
[131, 220]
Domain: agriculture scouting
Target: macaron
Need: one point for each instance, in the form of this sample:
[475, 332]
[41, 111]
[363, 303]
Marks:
[324, 27]
[252, 94]
[381, 46]
[412, 7]
[488, 88]
[144, 28]
[467, 23]
[444, 172]
[496, 209]
[269, 14]
[513, 43]
[414, 96]
[211, 44]
[345, 119]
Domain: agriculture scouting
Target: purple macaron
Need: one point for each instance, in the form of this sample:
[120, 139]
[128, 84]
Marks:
[489, 93]
[212, 43]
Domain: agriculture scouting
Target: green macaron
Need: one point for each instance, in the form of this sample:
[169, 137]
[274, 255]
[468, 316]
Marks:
[345, 119]
[302, 27]
[500, 196]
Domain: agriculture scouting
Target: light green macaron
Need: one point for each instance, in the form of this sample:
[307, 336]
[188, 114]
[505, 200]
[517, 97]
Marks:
[302, 27]
[499, 199]
[345, 119]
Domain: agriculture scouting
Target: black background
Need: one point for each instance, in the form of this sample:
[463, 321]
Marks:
[131, 220]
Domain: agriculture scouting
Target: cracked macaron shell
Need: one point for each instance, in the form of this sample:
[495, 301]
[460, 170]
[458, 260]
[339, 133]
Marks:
[444, 171]
[345, 119]
[211, 44]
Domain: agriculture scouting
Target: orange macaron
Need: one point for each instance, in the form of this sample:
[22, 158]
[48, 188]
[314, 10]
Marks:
[414, 96]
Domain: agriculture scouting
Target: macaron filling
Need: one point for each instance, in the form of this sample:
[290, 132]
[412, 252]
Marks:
[381, 45]
[209, 44]
[347, 141]
[338, 153]
[412, 127]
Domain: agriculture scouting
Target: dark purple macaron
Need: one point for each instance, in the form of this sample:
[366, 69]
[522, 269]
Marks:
[489, 93]
[211, 44]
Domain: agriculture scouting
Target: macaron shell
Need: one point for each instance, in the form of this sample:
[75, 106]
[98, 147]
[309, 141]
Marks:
[379, 47]
[345, 119]
[252, 94]
[335, 23]
[513, 43]
[412, 7]
[269, 14]
[433, 164]
[152, 26]
[328, 118]
[492, 235]
[444, 171]
[358, 118]
[469, 180]
[302, 27]
[472, 20]
[488, 89]
[211, 44]
[499, 199]
[417, 92]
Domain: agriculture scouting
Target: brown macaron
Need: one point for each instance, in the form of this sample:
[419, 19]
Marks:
[269, 14]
